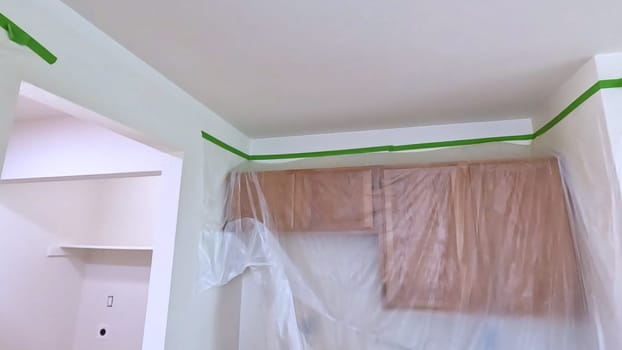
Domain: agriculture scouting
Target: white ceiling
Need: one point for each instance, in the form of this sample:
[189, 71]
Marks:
[283, 67]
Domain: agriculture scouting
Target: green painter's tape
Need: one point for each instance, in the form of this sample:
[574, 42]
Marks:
[463, 142]
[316, 154]
[390, 148]
[223, 145]
[19, 36]
[601, 84]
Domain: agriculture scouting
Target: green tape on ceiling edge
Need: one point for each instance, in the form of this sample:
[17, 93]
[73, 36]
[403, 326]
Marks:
[20, 37]
[224, 146]
[592, 90]
[599, 85]
[316, 154]
[390, 148]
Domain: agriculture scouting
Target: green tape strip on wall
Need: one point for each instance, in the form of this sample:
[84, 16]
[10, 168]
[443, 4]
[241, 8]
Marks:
[19, 36]
[599, 85]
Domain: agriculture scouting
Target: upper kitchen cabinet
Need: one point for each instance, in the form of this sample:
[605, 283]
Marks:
[265, 196]
[334, 200]
[487, 237]
[425, 249]
[525, 251]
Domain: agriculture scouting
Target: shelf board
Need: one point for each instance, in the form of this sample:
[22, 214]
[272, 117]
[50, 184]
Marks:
[65, 249]
[103, 247]
[82, 177]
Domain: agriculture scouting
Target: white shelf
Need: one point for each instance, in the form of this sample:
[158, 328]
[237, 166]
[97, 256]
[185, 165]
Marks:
[66, 249]
[82, 177]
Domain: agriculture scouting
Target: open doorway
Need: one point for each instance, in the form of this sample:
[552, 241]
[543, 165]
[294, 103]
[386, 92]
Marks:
[88, 216]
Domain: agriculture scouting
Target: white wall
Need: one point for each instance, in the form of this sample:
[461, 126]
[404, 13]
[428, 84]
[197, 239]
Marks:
[125, 276]
[401, 136]
[102, 76]
[127, 211]
[9, 85]
[610, 67]
[137, 211]
[582, 143]
[38, 294]
[99, 74]
[67, 147]
[37, 216]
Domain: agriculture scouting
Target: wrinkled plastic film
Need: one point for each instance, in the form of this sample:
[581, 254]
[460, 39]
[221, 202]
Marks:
[464, 253]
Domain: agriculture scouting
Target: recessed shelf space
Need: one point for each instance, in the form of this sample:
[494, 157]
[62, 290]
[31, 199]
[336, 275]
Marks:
[83, 206]
[82, 177]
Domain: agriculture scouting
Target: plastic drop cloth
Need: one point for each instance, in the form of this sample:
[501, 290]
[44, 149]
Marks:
[444, 250]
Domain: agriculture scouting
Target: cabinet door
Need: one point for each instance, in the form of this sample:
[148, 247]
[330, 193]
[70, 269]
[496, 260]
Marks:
[278, 191]
[334, 200]
[527, 248]
[243, 196]
[265, 196]
[424, 248]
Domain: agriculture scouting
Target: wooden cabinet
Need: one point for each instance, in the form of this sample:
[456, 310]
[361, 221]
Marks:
[334, 200]
[486, 237]
[265, 196]
[425, 254]
[489, 237]
[526, 252]
[327, 200]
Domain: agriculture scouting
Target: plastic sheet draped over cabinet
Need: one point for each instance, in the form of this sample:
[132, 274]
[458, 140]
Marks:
[451, 255]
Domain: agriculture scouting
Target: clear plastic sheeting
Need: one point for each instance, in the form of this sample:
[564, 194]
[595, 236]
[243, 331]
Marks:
[403, 254]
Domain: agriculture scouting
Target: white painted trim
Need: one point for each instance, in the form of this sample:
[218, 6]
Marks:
[400, 136]
[66, 249]
[82, 177]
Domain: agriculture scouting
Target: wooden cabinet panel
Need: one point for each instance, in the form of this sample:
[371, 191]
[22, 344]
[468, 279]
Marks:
[278, 191]
[424, 249]
[265, 196]
[330, 200]
[529, 256]
[334, 200]
[487, 237]
[243, 196]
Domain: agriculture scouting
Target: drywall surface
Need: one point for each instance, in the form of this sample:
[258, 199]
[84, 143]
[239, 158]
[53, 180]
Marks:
[125, 277]
[401, 136]
[38, 294]
[612, 107]
[37, 216]
[66, 146]
[582, 143]
[9, 85]
[131, 211]
[610, 67]
[163, 254]
[127, 211]
[99, 74]
[222, 304]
